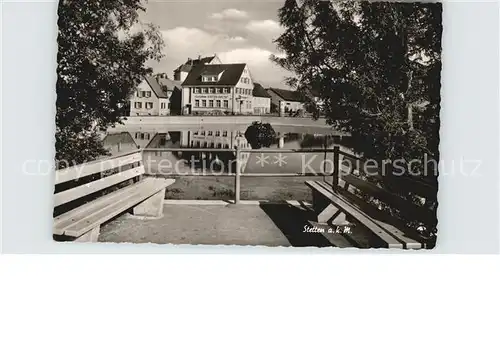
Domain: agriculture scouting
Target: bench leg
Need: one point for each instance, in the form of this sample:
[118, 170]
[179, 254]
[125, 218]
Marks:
[89, 237]
[152, 207]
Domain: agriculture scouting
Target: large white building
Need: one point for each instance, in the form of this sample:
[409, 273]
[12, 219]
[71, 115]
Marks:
[218, 89]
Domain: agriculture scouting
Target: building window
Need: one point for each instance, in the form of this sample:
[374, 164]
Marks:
[210, 103]
[217, 133]
[138, 93]
[205, 90]
[226, 103]
[195, 133]
[224, 133]
[212, 90]
[210, 133]
[212, 145]
[196, 103]
[219, 146]
[142, 136]
[218, 103]
[163, 106]
[218, 90]
[202, 133]
[196, 90]
[226, 90]
[149, 105]
[138, 105]
[137, 135]
[148, 94]
[204, 103]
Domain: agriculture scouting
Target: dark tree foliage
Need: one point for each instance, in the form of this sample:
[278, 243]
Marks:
[260, 135]
[376, 67]
[103, 50]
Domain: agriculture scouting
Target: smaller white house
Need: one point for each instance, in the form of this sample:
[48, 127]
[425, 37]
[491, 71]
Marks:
[286, 102]
[156, 96]
[261, 100]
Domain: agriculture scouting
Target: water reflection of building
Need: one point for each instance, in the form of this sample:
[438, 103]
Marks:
[119, 142]
[210, 139]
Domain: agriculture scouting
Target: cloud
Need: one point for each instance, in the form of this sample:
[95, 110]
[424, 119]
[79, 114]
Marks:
[236, 39]
[264, 27]
[263, 70]
[232, 14]
[181, 39]
[182, 43]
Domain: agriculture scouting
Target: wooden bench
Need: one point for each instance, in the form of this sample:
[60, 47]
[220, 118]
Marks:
[341, 204]
[81, 207]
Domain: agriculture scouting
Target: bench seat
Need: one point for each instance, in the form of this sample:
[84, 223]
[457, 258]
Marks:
[88, 218]
[389, 233]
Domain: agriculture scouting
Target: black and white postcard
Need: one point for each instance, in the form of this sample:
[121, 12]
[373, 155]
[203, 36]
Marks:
[297, 123]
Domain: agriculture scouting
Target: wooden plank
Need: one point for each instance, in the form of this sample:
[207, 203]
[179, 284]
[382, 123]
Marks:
[393, 226]
[99, 166]
[147, 190]
[92, 187]
[65, 220]
[358, 215]
[405, 206]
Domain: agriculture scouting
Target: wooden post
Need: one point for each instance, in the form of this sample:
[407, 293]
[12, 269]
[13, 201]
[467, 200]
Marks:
[336, 166]
[238, 179]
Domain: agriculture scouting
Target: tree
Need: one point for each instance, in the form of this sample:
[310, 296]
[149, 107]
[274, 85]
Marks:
[101, 59]
[260, 135]
[376, 67]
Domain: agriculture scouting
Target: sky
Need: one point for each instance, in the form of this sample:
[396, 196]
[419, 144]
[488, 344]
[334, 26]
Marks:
[237, 31]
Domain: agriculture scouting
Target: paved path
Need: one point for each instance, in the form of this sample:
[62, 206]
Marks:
[195, 224]
[265, 224]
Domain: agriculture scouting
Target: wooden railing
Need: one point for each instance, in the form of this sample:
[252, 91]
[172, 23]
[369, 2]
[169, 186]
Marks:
[238, 174]
[337, 157]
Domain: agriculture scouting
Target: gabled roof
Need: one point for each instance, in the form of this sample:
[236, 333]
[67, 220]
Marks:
[288, 95]
[231, 74]
[186, 67]
[170, 84]
[155, 86]
[259, 91]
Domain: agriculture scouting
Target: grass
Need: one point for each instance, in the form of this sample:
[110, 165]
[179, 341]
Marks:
[252, 188]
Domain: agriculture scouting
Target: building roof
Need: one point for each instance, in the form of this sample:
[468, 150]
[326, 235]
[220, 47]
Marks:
[186, 67]
[288, 95]
[259, 91]
[170, 84]
[231, 74]
[153, 83]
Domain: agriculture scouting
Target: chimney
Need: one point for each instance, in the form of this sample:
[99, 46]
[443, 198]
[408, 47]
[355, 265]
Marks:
[199, 57]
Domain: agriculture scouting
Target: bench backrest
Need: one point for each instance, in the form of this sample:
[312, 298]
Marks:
[122, 167]
[349, 175]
